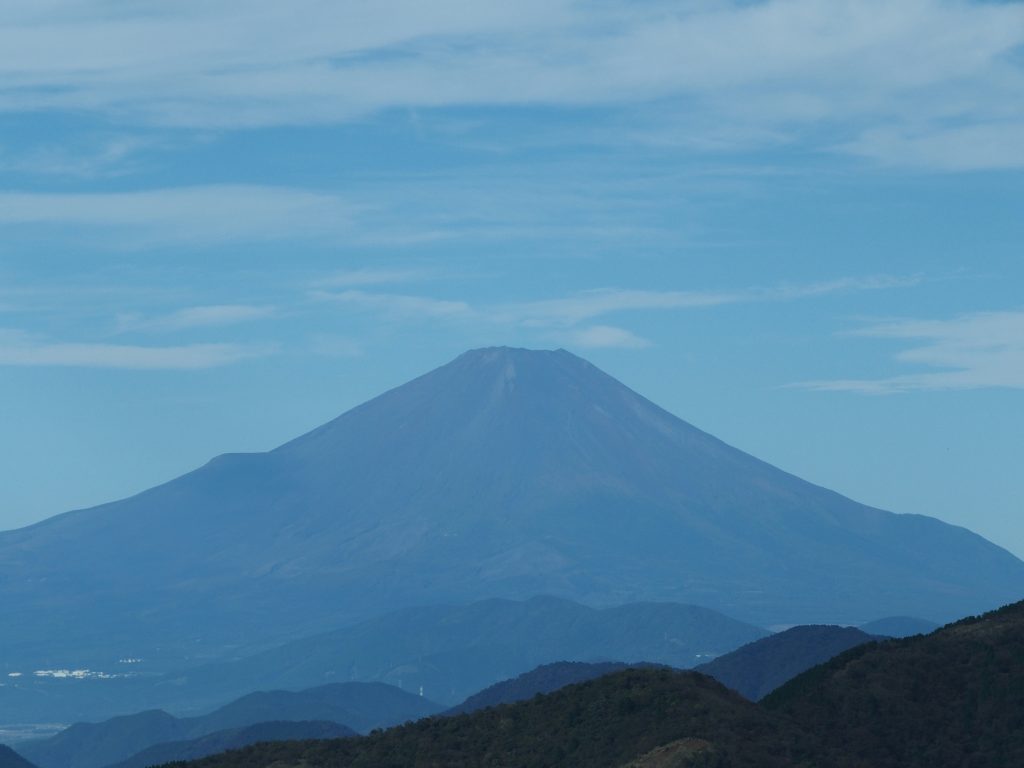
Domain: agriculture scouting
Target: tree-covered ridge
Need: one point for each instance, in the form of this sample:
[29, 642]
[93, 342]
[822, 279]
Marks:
[234, 738]
[360, 706]
[603, 722]
[544, 679]
[11, 759]
[758, 668]
[951, 698]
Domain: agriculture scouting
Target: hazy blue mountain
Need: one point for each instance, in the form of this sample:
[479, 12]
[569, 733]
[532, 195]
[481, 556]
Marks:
[951, 698]
[234, 738]
[899, 626]
[544, 679]
[360, 706]
[954, 697]
[757, 669]
[601, 723]
[451, 652]
[506, 473]
[11, 759]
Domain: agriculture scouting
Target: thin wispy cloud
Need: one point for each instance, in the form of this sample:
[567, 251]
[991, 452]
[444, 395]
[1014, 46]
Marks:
[568, 318]
[355, 278]
[396, 304]
[196, 317]
[983, 350]
[333, 345]
[602, 337]
[788, 292]
[203, 214]
[897, 74]
[21, 349]
[109, 157]
[588, 305]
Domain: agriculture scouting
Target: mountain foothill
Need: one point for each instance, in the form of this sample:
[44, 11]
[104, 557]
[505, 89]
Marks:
[523, 555]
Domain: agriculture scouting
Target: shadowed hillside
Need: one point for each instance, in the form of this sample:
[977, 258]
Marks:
[11, 759]
[361, 706]
[757, 669]
[951, 698]
[454, 651]
[234, 738]
[603, 722]
[899, 626]
[543, 679]
[506, 472]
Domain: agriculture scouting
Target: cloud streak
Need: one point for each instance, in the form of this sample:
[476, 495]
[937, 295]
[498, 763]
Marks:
[20, 349]
[983, 350]
[354, 278]
[208, 214]
[568, 319]
[603, 337]
[924, 78]
[396, 304]
[196, 317]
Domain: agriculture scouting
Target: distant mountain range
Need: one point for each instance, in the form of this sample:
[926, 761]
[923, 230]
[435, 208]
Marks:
[597, 724]
[899, 626]
[448, 651]
[546, 678]
[356, 706]
[757, 669]
[11, 759]
[951, 698]
[234, 738]
[505, 473]
[451, 652]
[954, 697]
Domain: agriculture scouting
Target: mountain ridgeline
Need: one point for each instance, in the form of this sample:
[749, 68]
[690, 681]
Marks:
[951, 699]
[445, 651]
[758, 668]
[349, 707]
[450, 652]
[234, 738]
[505, 473]
[546, 678]
[11, 759]
[601, 723]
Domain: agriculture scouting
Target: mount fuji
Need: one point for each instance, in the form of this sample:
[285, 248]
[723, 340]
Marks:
[505, 473]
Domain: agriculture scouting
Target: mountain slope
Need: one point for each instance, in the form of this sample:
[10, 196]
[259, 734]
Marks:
[11, 759]
[234, 738]
[544, 679]
[448, 651]
[603, 722]
[951, 698]
[503, 473]
[757, 669]
[899, 626]
[451, 652]
[93, 745]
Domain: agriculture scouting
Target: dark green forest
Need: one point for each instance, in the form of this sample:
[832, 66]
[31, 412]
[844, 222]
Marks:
[953, 698]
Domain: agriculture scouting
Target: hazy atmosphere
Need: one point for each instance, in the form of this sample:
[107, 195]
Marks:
[219, 229]
[618, 384]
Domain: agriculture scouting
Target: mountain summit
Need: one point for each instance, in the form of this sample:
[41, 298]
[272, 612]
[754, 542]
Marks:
[506, 472]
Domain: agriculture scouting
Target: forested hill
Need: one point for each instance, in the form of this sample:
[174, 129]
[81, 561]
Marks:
[602, 723]
[951, 698]
[11, 759]
[758, 668]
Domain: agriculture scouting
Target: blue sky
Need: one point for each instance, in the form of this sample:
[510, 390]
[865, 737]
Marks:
[797, 224]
